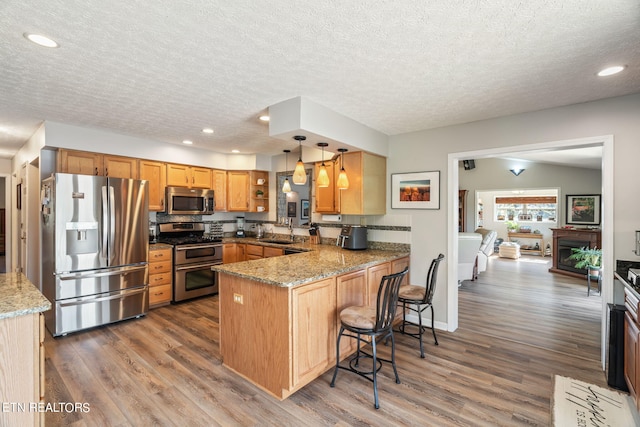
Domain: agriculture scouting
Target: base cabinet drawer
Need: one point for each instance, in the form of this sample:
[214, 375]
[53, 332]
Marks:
[160, 294]
[160, 277]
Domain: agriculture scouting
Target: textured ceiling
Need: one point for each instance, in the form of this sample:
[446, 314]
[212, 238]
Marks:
[165, 69]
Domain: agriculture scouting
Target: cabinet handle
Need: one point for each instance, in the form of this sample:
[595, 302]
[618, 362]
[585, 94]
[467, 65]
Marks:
[162, 203]
[96, 171]
[106, 172]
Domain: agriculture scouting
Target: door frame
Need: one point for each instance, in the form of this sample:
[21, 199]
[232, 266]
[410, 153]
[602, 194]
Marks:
[606, 141]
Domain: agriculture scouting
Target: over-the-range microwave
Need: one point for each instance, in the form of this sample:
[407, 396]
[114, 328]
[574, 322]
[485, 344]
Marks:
[189, 201]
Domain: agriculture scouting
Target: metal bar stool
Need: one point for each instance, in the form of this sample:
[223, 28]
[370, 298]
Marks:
[374, 322]
[418, 299]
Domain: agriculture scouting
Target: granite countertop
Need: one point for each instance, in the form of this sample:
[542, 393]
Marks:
[159, 246]
[622, 269]
[320, 262]
[18, 296]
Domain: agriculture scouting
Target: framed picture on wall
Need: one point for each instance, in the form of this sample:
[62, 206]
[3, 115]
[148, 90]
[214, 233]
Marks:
[19, 196]
[583, 209]
[304, 209]
[417, 190]
[291, 209]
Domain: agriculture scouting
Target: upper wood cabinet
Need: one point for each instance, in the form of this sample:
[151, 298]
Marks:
[188, 176]
[87, 163]
[327, 198]
[80, 162]
[120, 167]
[156, 174]
[219, 185]
[367, 190]
[238, 191]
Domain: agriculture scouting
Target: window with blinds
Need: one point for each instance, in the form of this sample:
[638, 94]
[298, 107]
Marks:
[526, 208]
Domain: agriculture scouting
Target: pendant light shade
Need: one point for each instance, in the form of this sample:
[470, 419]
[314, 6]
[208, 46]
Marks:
[323, 176]
[286, 187]
[343, 180]
[299, 174]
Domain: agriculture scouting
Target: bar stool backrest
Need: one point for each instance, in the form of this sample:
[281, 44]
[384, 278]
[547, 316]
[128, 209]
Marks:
[388, 299]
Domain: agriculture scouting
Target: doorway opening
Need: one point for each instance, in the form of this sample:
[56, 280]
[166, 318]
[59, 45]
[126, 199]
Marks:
[606, 142]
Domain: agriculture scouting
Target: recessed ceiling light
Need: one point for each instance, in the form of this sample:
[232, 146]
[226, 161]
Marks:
[235, 151]
[207, 130]
[187, 142]
[41, 40]
[611, 70]
[264, 118]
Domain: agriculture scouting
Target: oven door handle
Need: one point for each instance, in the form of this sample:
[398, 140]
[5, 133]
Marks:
[196, 266]
[198, 246]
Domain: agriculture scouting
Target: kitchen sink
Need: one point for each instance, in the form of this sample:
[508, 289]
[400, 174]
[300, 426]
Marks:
[279, 242]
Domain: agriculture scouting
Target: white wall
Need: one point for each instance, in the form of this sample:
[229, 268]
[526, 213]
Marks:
[428, 150]
[494, 174]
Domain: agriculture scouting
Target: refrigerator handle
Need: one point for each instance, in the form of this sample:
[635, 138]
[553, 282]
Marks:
[93, 273]
[93, 299]
[105, 228]
[112, 222]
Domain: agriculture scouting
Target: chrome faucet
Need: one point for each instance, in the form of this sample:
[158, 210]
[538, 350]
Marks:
[291, 229]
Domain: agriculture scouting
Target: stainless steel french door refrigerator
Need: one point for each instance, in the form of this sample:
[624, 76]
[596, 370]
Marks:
[94, 250]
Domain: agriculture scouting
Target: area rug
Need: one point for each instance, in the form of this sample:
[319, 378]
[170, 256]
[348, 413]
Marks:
[576, 403]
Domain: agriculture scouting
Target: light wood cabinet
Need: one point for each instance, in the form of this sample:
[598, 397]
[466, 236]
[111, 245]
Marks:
[253, 251]
[313, 308]
[269, 252]
[160, 276]
[238, 191]
[156, 174]
[367, 190]
[327, 199]
[234, 252]
[631, 333]
[258, 193]
[120, 167]
[397, 265]
[219, 185]
[374, 277]
[22, 361]
[631, 343]
[80, 162]
[228, 253]
[351, 290]
[188, 176]
[87, 163]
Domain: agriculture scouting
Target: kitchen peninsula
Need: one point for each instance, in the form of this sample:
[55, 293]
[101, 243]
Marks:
[279, 316]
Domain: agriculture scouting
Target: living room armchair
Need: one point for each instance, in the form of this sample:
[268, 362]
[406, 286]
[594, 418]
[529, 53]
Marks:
[486, 248]
[468, 249]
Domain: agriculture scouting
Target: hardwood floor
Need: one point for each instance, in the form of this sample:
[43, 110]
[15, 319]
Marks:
[519, 326]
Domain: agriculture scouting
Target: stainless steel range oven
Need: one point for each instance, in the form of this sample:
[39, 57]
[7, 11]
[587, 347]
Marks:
[193, 256]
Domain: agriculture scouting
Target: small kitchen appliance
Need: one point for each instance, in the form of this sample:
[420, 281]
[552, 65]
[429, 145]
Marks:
[240, 227]
[353, 237]
[633, 276]
[189, 201]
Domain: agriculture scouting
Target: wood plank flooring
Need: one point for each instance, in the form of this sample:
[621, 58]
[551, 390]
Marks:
[519, 326]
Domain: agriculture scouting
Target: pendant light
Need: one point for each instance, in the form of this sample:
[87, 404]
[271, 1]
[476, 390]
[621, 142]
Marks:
[343, 181]
[323, 176]
[299, 174]
[286, 187]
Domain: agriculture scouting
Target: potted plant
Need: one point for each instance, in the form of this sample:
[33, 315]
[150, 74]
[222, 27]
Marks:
[259, 193]
[588, 258]
[512, 226]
